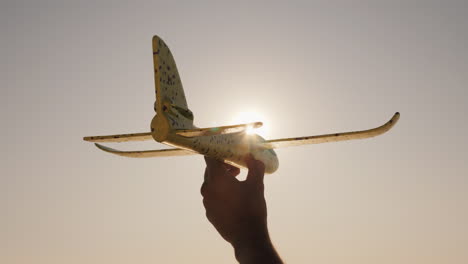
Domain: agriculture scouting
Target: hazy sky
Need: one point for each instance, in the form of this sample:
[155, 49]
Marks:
[70, 70]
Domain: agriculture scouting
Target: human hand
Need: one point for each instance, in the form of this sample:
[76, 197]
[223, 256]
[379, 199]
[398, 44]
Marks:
[237, 209]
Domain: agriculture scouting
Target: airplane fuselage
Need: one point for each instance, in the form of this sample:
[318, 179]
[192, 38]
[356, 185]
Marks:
[232, 148]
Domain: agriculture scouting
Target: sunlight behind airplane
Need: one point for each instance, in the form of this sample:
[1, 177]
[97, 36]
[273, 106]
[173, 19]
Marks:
[251, 116]
[173, 125]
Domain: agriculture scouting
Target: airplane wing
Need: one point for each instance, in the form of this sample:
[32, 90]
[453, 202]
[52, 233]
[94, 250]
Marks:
[147, 153]
[182, 132]
[289, 142]
[121, 137]
[217, 130]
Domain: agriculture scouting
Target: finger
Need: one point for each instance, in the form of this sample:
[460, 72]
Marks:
[206, 177]
[256, 170]
[231, 170]
[216, 169]
[208, 159]
[203, 189]
[205, 203]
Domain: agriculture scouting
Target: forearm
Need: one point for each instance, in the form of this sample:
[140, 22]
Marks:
[259, 251]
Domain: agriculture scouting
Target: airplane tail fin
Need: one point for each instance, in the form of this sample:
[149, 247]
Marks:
[172, 112]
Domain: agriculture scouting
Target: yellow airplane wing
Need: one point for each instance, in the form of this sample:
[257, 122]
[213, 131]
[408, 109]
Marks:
[120, 138]
[210, 131]
[147, 153]
[297, 141]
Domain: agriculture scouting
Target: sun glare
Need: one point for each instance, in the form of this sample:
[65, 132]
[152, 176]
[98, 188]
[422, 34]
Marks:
[249, 130]
[250, 117]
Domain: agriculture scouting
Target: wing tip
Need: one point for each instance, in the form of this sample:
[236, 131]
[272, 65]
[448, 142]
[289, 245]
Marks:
[394, 118]
[92, 138]
[104, 148]
[257, 124]
[99, 146]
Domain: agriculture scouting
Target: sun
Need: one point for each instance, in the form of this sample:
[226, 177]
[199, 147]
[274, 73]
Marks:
[249, 130]
[250, 117]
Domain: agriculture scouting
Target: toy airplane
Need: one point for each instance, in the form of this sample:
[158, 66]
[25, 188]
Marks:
[173, 125]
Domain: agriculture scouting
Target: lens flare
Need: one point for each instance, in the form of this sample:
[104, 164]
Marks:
[250, 117]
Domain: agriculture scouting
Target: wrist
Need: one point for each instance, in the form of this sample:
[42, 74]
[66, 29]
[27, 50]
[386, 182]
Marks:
[257, 249]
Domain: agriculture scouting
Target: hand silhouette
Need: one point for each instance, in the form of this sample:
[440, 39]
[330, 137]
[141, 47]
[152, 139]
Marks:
[237, 209]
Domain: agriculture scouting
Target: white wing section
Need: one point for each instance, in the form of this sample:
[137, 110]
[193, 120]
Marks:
[147, 153]
[210, 131]
[289, 142]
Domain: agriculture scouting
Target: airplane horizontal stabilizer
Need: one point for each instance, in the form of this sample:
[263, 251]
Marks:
[121, 137]
[147, 153]
[210, 131]
[289, 142]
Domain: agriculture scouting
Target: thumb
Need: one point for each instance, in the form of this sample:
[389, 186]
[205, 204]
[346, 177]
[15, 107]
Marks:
[256, 170]
[215, 169]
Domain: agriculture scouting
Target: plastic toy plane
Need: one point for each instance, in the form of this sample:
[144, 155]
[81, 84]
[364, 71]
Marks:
[173, 125]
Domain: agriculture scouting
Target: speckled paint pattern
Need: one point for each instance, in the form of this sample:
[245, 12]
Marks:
[172, 114]
[168, 85]
[173, 125]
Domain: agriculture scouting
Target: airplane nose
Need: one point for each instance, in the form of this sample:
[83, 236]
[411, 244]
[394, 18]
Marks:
[269, 158]
[273, 164]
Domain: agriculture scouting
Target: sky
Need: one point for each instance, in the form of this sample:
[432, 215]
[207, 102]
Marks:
[71, 69]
